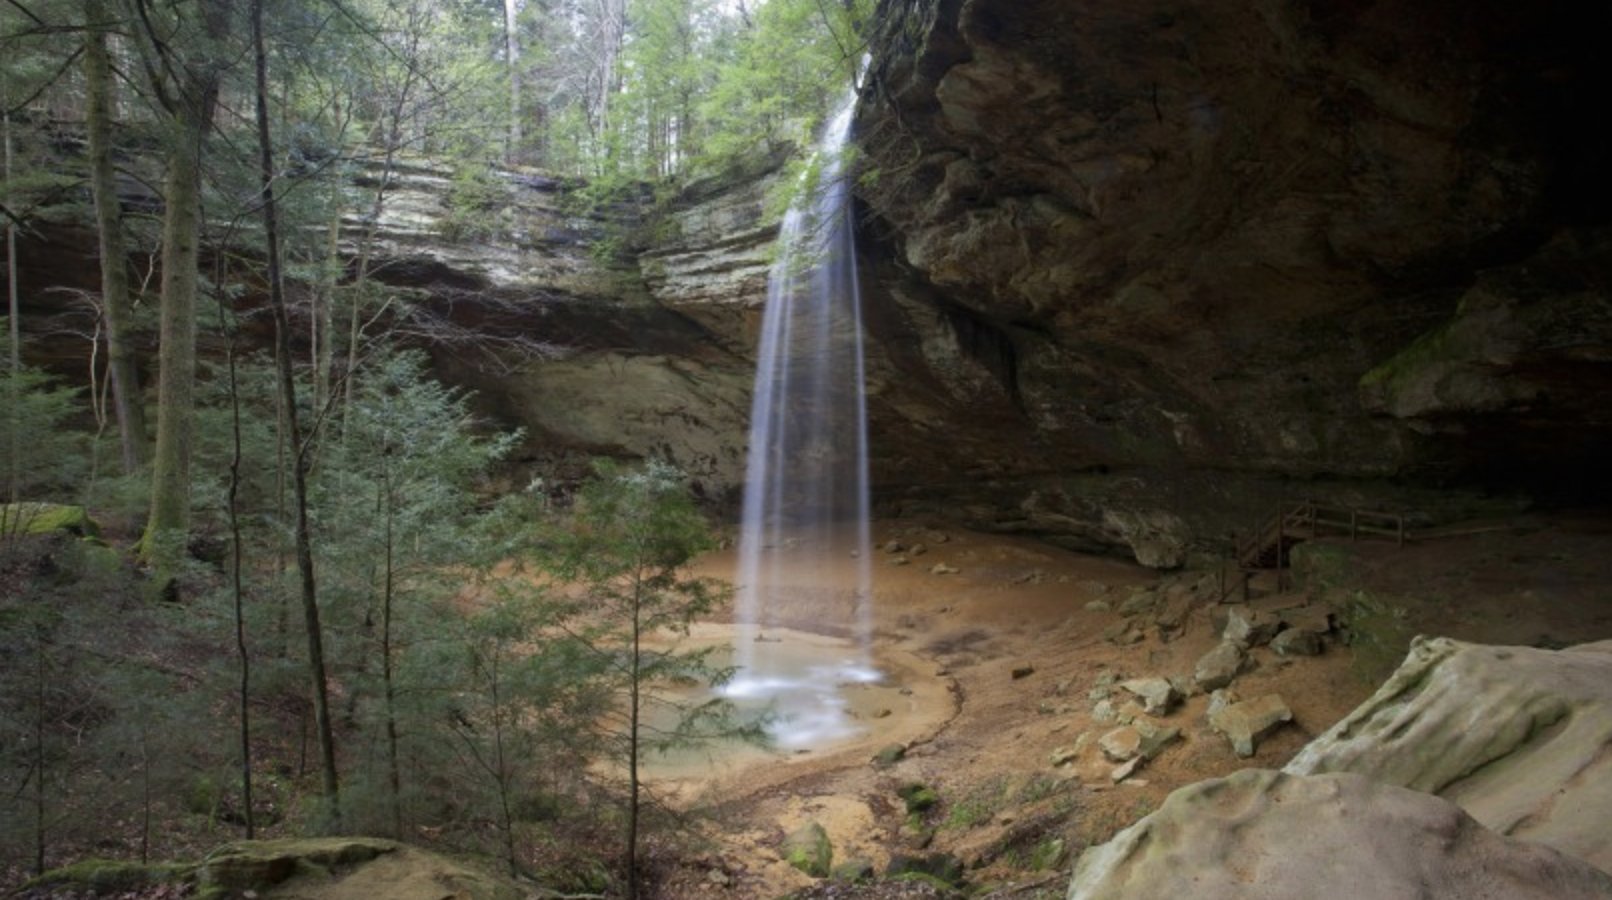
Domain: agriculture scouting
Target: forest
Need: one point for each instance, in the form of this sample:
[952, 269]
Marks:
[261, 573]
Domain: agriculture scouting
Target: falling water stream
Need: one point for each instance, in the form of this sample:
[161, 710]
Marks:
[804, 544]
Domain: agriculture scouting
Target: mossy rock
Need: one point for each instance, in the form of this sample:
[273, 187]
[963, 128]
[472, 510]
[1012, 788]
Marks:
[941, 867]
[807, 848]
[47, 518]
[854, 871]
[918, 797]
[890, 755]
[256, 865]
[107, 876]
[1048, 855]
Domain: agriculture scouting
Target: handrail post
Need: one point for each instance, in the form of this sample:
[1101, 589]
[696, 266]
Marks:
[1354, 524]
[1400, 521]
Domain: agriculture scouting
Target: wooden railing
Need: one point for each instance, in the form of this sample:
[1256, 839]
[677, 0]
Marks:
[1268, 544]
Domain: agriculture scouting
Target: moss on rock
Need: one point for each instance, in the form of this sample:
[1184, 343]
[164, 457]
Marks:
[807, 848]
[47, 518]
[100, 877]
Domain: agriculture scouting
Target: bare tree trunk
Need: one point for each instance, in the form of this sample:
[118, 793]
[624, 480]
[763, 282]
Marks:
[288, 397]
[115, 305]
[14, 318]
[502, 768]
[636, 651]
[394, 777]
[612, 31]
[324, 299]
[245, 688]
[39, 754]
[512, 57]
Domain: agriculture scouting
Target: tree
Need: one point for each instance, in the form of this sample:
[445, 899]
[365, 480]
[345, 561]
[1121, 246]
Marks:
[512, 57]
[115, 305]
[625, 548]
[185, 72]
[297, 445]
[397, 505]
[13, 306]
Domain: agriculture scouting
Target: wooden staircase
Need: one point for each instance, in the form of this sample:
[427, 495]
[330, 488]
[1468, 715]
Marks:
[1268, 545]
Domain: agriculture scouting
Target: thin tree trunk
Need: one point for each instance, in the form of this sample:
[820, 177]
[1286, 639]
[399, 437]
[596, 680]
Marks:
[632, 745]
[502, 773]
[393, 776]
[324, 301]
[245, 689]
[288, 397]
[512, 56]
[39, 756]
[14, 318]
[114, 260]
[145, 796]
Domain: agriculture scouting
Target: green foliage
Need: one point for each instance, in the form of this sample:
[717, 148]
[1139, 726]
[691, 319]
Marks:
[100, 877]
[478, 205]
[784, 73]
[35, 417]
[918, 797]
[625, 547]
[44, 518]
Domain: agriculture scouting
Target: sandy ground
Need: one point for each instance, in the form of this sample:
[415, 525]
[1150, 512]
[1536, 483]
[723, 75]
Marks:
[954, 646]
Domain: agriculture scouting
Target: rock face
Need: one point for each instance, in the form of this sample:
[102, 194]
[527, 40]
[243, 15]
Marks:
[1131, 268]
[1259, 834]
[1176, 250]
[1520, 738]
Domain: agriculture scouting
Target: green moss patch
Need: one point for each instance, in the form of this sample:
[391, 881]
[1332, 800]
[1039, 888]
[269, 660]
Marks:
[102, 877]
[47, 518]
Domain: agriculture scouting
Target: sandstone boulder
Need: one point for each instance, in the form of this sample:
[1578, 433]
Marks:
[1519, 737]
[1264, 835]
[1158, 695]
[1249, 627]
[1219, 666]
[1296, 642]
[1245, 723]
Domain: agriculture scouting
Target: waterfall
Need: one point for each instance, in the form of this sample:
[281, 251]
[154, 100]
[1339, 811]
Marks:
[805, 541]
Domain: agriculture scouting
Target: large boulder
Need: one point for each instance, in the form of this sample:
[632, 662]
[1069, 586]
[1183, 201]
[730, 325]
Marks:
[340, 868]
[46, 518]
[1521, 738]
[1264, 835]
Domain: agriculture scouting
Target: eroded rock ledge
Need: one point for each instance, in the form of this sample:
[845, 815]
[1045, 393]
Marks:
[1475, 771]
[1156, 248]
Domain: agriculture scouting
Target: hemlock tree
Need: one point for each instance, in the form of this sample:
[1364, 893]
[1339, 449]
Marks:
[397, 507]
[184, 68]
[625, 550]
